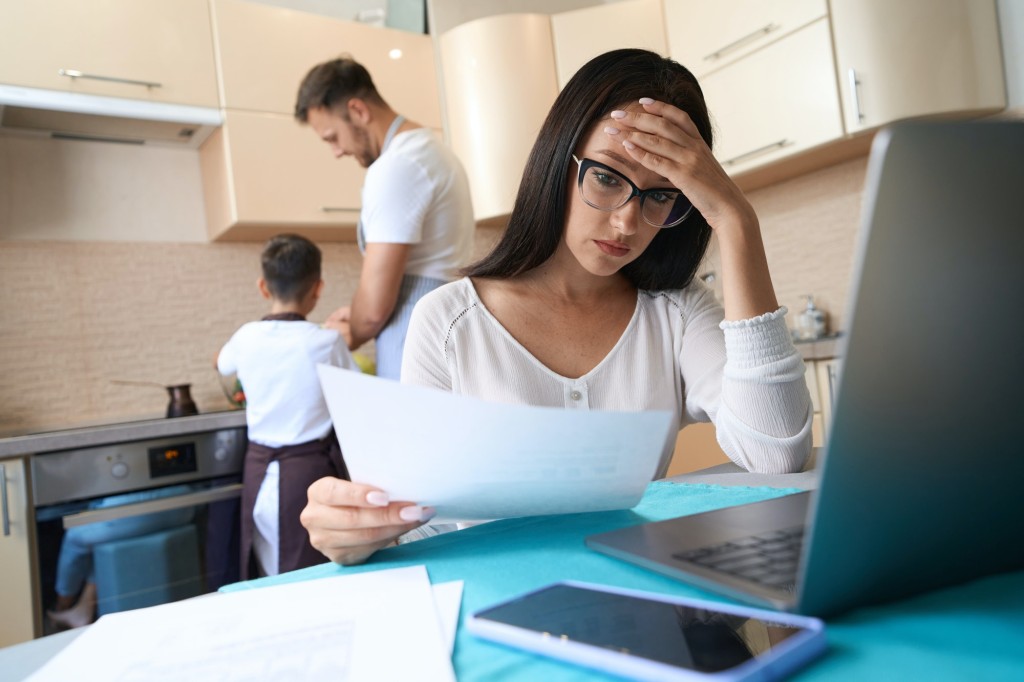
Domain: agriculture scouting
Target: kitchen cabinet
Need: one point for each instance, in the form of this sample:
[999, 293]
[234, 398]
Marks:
[159, 50]
[801, 80]
[502, 73]
[263, 172]
[582, 34]
[827, 379]
[911, 58]
[779, 103]
[17, 587]
[499, 82]
[705, 36]
[696, 448]
[264, 52]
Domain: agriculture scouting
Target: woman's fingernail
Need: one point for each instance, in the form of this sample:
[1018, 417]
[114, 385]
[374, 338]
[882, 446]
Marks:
[427, 513]
[646, 100]
[611, 131]
[618, 113]
[628, 145]
[413, 513]
[377, 498]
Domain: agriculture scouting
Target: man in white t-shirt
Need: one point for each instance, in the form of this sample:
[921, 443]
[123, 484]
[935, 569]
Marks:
[416, 223]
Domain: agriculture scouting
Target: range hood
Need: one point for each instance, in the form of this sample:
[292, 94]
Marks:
[71, 115]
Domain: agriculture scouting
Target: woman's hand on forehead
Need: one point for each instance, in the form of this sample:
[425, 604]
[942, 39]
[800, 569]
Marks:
[665, 140]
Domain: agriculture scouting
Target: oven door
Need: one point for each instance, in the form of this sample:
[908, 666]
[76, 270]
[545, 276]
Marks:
[136, 524]
[138, 549]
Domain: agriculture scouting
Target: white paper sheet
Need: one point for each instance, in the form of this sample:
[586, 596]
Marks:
[341, 628]
[448, 600]
[472, 459]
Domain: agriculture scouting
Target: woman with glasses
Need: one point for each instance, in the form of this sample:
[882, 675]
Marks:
[589, 300]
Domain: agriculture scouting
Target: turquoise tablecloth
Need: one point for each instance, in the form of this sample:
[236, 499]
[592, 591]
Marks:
[971, 632]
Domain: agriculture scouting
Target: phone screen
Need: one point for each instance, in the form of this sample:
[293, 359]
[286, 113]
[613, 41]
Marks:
[693, 638]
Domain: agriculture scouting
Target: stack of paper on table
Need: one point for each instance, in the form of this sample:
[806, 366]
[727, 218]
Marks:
[340, 628]
[471, 459]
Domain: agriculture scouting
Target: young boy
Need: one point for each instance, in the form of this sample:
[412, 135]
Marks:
[291, 438]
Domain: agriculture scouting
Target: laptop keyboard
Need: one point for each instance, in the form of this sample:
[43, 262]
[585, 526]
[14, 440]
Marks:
[768, 558]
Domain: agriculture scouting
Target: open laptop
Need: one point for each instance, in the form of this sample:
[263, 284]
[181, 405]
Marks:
[923, 472]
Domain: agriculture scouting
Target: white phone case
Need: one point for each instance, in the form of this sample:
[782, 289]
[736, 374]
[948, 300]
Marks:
[780, 661]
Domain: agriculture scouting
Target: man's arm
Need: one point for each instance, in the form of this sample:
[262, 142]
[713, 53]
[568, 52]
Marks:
[377, 292]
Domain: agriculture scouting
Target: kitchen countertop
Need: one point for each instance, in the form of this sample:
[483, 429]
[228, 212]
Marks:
[825, 348]
[69, 439]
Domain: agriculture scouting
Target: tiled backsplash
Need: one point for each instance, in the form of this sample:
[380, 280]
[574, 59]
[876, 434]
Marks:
[75, 315]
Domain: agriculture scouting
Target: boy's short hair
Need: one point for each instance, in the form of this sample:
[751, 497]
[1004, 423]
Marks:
[291, 266]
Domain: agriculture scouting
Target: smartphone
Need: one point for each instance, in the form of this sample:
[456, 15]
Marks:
[649, 636]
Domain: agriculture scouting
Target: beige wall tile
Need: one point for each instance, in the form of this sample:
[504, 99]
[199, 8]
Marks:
[75, 315]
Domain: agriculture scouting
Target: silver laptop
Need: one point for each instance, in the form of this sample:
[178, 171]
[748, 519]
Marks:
[921, 478]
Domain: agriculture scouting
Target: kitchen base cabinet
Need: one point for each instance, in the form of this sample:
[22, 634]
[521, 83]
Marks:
[17, 585]
[696, 448]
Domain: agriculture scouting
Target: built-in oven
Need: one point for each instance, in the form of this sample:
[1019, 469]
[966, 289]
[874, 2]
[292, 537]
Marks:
[140, 523]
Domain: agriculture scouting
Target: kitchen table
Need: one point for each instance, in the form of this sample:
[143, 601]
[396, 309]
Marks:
[924, 637]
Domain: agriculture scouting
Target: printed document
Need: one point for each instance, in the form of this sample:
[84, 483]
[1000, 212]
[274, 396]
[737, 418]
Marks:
[340, 628]
[474, 460]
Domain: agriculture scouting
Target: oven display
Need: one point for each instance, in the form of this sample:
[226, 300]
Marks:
[172, 459]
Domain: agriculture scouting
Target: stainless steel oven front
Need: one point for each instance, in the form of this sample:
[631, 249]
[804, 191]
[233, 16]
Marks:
[136, 524]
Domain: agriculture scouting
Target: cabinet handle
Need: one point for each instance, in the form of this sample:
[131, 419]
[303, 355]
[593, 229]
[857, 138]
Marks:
[757, 152]
[855, 93]
[337, 209]
[73, 73]
[736, 44]
[3, 500]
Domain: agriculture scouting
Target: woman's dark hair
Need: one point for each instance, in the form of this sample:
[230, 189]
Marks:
[607, 82]
[332, 84]
[291, 266]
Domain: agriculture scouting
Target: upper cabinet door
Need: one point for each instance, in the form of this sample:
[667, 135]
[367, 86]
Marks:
[158, 50]
[706, 35]
[499, 76]
[266, 51]
[263, 171]
[756, 120]
[583, 34]
[916, 57]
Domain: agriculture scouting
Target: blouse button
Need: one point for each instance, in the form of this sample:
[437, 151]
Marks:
[575, 395]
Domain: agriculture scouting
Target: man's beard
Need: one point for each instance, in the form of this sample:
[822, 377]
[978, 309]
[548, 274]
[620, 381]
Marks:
[364, 154]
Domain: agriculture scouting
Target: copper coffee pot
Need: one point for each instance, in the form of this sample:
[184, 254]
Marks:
[181, 403]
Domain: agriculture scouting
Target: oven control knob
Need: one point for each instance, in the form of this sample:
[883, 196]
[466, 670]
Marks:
[119, 470]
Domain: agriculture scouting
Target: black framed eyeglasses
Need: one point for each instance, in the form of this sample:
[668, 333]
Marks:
[606, 189]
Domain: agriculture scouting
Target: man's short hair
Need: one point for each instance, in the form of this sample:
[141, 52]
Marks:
[332, 84]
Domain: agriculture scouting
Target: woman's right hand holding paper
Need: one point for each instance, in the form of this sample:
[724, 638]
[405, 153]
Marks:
[348, 522]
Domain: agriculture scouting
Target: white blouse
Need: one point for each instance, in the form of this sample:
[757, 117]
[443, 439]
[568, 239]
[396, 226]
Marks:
[676, 354]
